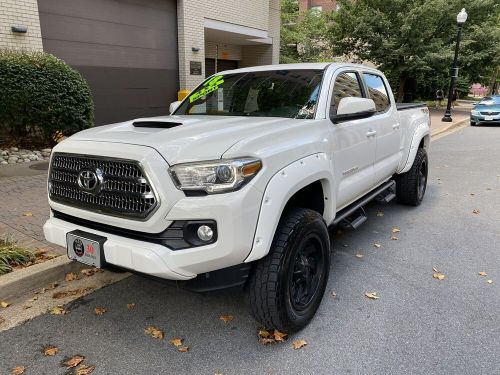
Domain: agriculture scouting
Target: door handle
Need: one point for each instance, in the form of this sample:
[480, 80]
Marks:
[396, 126]
[371, 133]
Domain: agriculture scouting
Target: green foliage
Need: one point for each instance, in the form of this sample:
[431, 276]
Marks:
[413, 41]
[41, 95]
[304, 35]
[13, 255]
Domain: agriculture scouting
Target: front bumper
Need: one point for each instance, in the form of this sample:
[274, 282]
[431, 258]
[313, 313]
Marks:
[236, 215]
[484, 119]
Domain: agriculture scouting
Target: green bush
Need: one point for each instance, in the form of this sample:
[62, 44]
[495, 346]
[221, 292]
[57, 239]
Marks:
[41, 97]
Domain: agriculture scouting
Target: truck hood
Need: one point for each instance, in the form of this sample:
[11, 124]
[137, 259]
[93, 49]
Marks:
[182, 139]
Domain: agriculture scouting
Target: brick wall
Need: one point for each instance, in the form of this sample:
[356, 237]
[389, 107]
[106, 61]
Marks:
[258, 14]
[20, 13]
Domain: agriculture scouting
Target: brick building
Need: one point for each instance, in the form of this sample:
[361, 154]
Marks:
[321, 5]
[138, 54]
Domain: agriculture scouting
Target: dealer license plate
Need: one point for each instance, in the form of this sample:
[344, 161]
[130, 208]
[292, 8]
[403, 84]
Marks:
[86, 248]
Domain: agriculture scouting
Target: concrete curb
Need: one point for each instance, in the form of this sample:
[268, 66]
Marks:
[20, 282]
[449, 127]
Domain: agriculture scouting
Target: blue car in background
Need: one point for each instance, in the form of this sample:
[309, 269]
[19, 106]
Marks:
[486, 111]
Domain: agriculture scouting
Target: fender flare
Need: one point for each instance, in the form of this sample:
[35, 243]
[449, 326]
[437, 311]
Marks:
[422, 131]
[280, 188]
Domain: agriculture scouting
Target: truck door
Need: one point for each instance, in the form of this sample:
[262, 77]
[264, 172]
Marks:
[353, 143]
[386, 123]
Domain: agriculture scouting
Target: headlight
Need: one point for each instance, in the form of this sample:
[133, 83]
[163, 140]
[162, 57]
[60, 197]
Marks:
[474, 113]
[216, 176]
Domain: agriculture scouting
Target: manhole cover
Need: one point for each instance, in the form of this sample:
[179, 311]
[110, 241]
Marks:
[43, 166]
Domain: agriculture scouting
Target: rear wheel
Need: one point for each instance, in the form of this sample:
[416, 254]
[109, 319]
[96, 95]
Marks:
[411, 186]
[286, 287]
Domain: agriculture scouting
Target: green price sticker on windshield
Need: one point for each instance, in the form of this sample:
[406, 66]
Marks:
[209, 86]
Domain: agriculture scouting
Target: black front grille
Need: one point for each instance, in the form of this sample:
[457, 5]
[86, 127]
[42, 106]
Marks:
[490, 113]
[122, 189]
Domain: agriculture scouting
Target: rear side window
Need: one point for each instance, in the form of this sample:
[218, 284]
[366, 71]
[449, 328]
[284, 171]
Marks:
[377, 91]
[346, 85]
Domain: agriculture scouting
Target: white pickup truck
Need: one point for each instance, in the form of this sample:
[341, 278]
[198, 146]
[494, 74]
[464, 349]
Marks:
[240, 185]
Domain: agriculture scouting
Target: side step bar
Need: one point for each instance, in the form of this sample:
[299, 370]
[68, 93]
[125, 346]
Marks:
[354, 215]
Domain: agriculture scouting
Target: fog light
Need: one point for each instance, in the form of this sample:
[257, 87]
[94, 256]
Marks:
[205, 233]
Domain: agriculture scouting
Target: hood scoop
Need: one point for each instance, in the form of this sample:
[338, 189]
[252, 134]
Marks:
[156, 124]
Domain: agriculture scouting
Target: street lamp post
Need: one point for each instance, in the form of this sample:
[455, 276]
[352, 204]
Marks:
[461, 18]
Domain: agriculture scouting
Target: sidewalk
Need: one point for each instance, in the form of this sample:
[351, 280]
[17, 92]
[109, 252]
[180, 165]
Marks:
[460, 113]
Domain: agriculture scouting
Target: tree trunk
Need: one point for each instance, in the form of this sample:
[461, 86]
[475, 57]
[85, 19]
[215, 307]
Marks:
[401, 88]
[493, 82]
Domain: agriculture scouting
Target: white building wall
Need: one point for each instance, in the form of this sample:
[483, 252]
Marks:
[258, 14]
[20, 13]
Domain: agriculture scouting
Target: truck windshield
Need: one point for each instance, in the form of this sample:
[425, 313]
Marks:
[274, 93]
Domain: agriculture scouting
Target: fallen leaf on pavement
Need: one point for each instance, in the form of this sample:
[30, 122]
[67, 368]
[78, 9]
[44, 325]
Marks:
[435, 269]
[90, 271]
[33, 299]
[359, 256]
[476, 211]
[130, 306]
[58, 310]
[69, 293]
[71, 276]
[4, 304]
[18, 370]
[99, 310]
[438, 276]
[371, 295]
[27, 307]
[73, 361]
[267, 337]
[154, 333]
[334, 295]
[377, 245]
[280, 336]
[183, 349]
[472, 194]
[226, 318]
[50, 350]
[396, 230]
[482, 273]
[297, 344]
[85, 369]
[380, 214]
[490, 281]
[50, 287]
[28, 214]
[394, 238]
[176, 342]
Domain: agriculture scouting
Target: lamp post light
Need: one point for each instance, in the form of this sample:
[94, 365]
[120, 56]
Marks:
[461, 18]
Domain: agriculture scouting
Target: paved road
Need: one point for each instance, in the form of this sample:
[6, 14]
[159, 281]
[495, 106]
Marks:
[420, 325]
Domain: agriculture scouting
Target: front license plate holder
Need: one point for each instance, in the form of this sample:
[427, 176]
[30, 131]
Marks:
[87, 248]
[488, 118]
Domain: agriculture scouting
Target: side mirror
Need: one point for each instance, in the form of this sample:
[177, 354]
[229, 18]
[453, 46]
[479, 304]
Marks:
[354, 108]
[174, 106]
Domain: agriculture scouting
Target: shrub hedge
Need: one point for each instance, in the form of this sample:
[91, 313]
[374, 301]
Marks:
[41, 96]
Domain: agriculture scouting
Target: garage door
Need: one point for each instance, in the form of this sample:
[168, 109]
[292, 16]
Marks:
[126, 49]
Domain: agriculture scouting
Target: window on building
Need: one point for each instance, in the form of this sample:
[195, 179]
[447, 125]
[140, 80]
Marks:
[317, 8]
[377, 91]
[346, 85]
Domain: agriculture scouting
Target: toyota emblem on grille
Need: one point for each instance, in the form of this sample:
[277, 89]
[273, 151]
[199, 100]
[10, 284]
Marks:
[90, 180]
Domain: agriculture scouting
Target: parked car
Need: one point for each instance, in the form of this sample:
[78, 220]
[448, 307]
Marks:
[486, 111]
[240, 185]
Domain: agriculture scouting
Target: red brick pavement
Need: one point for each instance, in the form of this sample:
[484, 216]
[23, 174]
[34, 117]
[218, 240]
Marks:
[21, 195]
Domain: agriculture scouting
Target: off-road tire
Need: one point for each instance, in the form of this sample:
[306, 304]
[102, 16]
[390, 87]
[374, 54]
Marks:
[274, 278]
[409, 189]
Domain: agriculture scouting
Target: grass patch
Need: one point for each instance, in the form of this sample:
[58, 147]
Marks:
[12, 255]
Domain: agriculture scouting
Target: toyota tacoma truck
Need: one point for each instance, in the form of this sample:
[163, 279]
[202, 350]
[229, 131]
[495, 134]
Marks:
[242, 183]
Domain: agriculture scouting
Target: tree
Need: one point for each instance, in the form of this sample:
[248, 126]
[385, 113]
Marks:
[304, 35]
[412, 41]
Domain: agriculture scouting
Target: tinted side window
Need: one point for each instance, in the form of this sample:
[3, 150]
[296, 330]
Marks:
[377, 91]
[346, 85]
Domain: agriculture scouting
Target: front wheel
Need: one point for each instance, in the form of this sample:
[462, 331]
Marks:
[286, 287]
[411, 186]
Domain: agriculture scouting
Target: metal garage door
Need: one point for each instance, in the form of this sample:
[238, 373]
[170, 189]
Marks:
[126, 49]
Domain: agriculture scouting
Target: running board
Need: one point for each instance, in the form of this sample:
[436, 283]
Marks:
[354, 215]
